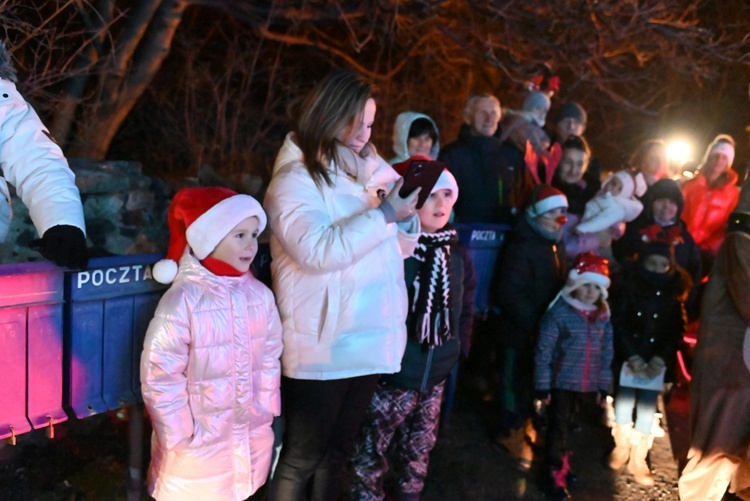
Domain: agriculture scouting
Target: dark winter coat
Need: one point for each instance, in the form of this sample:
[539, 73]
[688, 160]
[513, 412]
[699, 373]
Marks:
[574, 350]
[577, 194]
[686, 253]
[422, 366]
[648, 317]
[720, 389]
[488, 186]
[531, 273]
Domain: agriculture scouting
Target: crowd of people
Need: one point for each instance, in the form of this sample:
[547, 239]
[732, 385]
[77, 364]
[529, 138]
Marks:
[375, 303]
[371, 308]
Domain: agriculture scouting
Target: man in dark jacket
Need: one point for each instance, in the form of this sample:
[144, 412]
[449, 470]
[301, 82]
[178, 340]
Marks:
[487, 189]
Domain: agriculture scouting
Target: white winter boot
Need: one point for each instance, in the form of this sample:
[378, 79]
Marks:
[637, 466]
[621, 453]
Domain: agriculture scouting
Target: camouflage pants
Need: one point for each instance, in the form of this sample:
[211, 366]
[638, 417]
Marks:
[401, 424]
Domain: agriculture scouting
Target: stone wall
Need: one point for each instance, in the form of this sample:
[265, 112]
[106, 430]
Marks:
[125, 212]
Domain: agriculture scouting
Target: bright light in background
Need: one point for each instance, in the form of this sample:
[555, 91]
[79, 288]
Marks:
[679, 151]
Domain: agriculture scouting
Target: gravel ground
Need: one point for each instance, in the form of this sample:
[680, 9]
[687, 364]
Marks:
[465, 466]
[88, 461]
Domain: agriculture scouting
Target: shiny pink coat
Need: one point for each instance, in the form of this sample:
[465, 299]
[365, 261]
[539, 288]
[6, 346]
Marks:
[210, 381]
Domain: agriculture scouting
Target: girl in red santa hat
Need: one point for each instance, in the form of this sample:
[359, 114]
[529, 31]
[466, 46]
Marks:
[573, 358]
[210, 367]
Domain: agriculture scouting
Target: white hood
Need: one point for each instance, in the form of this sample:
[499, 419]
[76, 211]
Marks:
[401, 136]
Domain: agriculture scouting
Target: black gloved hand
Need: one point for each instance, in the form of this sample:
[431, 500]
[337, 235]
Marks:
[64, 245]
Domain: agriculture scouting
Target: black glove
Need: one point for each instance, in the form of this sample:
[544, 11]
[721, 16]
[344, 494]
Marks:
[65, 246]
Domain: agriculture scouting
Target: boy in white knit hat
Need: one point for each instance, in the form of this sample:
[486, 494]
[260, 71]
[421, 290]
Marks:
[404, 413]
[210, 368]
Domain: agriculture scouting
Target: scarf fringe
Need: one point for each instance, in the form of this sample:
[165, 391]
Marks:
[431, 301]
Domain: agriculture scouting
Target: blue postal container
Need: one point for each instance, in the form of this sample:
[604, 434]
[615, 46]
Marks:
[484, 242]
[110, 307]
[31, 347]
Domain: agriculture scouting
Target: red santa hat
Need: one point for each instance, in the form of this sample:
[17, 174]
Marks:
[401, 167]
[588, 269]
[200, 218]
[545, 199]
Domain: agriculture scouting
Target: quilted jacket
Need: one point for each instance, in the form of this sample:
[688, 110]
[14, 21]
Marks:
[33, 163]
[707, 209]
[210, 382]
[337, 267]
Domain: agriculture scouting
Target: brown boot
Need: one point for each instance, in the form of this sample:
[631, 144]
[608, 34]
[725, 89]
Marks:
[535, 438]
[620, 454]
[518, 447]
[641, 444]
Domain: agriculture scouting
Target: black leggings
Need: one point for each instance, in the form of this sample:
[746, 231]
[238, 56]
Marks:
[562, 409]
[322, 420]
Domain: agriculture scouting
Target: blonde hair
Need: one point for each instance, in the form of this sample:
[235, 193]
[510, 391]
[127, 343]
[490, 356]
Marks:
[330, 107]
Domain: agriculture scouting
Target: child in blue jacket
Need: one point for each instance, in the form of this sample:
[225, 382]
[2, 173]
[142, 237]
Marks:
[573, 357]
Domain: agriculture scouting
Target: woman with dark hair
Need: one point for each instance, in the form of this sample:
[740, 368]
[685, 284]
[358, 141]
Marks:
[338, 274]
[569, 178]
[414, 134]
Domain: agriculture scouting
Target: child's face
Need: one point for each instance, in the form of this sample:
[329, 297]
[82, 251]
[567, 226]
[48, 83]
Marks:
[664, 209]
[614, 186]
[420, 145]
[551, 221]
[240, 245]
[587, 293]
[656, 263]
[540, 113]
[436, 210]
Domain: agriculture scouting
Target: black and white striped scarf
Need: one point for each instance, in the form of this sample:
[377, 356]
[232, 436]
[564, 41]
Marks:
[431, 302]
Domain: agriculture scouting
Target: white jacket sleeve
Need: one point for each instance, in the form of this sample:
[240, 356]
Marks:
[299, 218]
[163, 364]
[33, 163]
[270, 397]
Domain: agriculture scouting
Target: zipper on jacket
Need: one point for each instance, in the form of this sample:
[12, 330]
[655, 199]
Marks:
[428, 365]
[588, 355]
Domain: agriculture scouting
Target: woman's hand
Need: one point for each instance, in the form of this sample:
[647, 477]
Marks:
[402, 207]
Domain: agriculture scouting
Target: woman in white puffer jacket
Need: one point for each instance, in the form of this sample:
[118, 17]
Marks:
[338, 277]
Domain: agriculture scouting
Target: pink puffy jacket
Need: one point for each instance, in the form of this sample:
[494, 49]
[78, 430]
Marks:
[210, 380]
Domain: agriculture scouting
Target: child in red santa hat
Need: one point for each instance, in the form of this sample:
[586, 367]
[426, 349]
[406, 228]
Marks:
[210, 366]
[573, 358]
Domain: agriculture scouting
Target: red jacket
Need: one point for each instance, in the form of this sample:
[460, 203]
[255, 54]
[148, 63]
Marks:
[707, 209]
